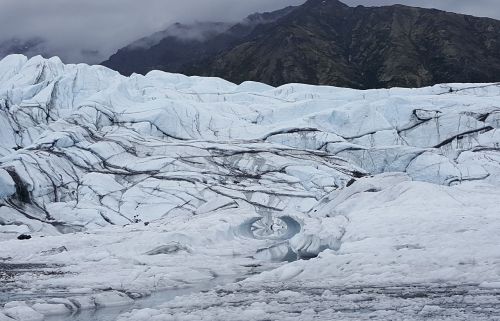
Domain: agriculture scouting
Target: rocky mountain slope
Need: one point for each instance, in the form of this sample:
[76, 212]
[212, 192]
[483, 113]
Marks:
[127, 186]
[326, 42]
[182, 46]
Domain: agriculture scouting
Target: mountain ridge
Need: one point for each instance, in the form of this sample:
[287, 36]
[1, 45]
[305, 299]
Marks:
[325, 42]
[174, 52]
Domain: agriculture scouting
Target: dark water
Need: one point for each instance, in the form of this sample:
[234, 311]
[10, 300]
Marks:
[152, 301]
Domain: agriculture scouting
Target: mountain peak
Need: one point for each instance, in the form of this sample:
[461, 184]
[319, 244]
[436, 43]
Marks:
[325, 3]
[324, 8]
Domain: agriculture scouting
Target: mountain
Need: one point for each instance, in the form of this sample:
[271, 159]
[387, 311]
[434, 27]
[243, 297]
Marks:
[182, 45]
[167, 50]
[115, 188]
[329, 43]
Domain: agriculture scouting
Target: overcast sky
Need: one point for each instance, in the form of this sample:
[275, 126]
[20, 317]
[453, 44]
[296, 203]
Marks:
[76, 28]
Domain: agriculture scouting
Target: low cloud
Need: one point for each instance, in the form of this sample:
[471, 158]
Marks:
[75, 28]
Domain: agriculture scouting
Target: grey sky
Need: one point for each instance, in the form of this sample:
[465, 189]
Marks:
[73, 26]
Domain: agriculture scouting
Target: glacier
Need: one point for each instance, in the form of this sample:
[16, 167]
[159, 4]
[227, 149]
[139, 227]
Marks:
[295, 203]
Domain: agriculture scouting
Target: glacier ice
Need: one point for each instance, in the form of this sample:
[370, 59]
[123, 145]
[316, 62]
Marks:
[365, 188]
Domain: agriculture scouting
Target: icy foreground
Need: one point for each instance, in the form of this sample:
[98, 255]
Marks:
[299, 202]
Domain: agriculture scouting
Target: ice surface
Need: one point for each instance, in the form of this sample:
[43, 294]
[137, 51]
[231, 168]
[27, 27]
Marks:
[7, 185]
[133, 185]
